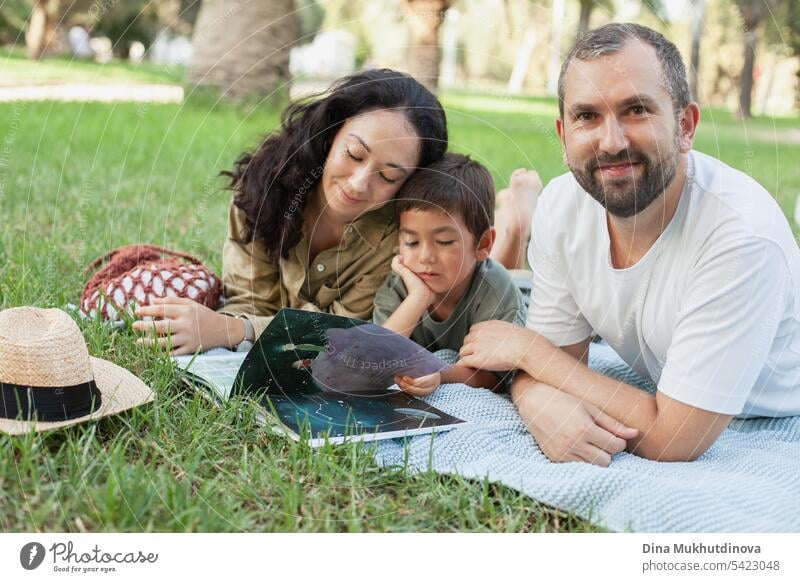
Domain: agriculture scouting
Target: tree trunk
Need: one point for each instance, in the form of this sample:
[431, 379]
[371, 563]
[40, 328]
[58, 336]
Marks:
[698, 16]
[586, 14]
[522, 62]
[449, 44]
[241, 47]
[423, 19]
[554, 63]
[37, 33]
[746, 78]
[752, 12]
[793, 18]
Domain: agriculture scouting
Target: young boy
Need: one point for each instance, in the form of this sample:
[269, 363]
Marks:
[443, 280]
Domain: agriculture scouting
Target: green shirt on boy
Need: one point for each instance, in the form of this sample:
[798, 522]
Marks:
[492, 295]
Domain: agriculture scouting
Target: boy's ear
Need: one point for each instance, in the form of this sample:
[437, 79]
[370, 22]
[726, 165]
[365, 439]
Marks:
[485, 244]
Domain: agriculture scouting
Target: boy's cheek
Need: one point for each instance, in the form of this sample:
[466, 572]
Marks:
[408, 257]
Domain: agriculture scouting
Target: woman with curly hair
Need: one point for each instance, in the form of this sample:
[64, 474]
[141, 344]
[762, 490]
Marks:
[309, 226]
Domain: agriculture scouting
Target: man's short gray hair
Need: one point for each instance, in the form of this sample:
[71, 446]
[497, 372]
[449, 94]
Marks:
[612, 38]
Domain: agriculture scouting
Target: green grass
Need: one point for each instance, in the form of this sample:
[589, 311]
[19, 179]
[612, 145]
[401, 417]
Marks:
[16, 69]
[79, 179]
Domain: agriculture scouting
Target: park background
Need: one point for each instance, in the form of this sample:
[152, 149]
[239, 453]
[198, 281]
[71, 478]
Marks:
[115, 120]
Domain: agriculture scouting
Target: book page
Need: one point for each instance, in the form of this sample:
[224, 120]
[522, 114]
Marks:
[216, 372]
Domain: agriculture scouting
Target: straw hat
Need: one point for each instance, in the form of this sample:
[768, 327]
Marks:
[47, 374]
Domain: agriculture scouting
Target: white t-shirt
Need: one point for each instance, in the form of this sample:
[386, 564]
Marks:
[711, 313]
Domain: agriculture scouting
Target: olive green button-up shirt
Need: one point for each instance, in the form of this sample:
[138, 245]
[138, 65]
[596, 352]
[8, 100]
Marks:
[342, 280]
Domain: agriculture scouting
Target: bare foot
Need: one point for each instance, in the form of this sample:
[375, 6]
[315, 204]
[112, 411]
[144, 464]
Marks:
[513, 217]
[525, 187]
[518, 201]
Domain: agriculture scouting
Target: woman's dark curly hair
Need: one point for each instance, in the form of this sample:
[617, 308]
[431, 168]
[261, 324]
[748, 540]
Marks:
[274, 183]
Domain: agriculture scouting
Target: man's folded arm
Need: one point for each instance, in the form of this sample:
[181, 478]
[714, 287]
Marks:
[669, 430]
[579, 351]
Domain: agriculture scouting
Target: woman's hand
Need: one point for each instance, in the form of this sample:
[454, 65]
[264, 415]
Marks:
[415, 287]
[421, 386]
[566, 428]
[187, 326]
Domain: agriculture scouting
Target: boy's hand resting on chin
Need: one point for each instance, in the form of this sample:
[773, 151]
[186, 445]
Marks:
[419, 298]
[416, 288]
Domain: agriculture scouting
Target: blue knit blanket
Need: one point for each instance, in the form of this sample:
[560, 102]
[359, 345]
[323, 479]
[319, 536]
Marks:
[748, 481]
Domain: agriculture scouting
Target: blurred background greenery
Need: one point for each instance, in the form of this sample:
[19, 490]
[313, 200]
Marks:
[742, 54]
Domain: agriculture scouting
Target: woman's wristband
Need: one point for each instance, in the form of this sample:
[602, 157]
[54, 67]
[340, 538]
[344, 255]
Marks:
[249, 331]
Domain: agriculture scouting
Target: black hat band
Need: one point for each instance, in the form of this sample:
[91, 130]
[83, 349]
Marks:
[50, 403]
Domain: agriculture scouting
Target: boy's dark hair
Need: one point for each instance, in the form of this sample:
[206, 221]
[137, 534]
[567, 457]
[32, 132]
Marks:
[455, 184]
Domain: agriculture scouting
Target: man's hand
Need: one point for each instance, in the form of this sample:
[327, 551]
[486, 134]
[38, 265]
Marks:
[499, 346]
[567, 429]
[188, 325]
[415, 287]
[421, 386]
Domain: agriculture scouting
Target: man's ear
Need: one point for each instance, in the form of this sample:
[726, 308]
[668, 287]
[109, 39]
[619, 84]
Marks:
[687, 126]
[485, 244]
[560, 132]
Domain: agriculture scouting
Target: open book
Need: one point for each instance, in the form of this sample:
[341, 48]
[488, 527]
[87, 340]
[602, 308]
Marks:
[327, 377]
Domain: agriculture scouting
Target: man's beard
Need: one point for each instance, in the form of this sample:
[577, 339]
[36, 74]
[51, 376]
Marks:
[628, 196]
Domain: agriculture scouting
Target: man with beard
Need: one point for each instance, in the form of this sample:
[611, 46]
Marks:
[685, 266]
